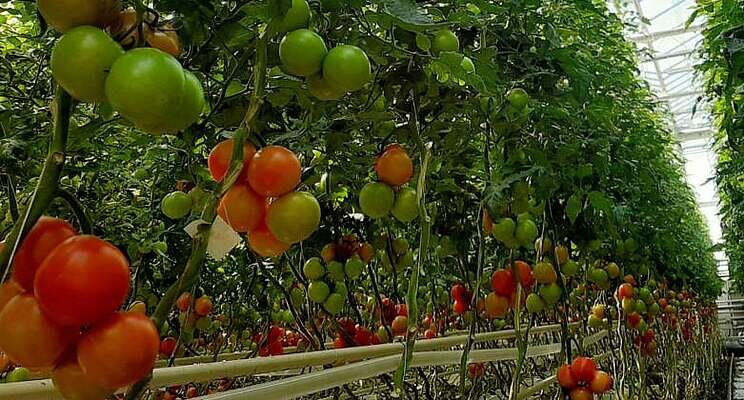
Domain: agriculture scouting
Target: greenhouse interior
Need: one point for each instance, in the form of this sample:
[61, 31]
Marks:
[372, 199]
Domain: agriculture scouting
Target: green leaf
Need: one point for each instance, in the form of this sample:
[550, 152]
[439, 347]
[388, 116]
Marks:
[573, 206]
[407, 12]
[600, 201]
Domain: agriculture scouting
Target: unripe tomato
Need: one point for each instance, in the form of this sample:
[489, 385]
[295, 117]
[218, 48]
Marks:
[394, 166]
[526, 232]
[293, 217]
[274, 171]
[347, 68]
[8, 291]
[502, 282]
[496, 306]
[601, 383]
[334, 303]
[298, 16]
[82, 281]
[264, 243]
[45, 236]
[81, 60]
[138, 307]
[302, 52]
[581, 393]
[551, 293]
[64, 15]
[565, 378]
[184, 301]
[545, 273]
[535, 303]
[322, 90]
[561, 254]
[518, 98]
[376, 199]
[29, 337]
[318, 291]
[176, 205]
[242, 208]
[203, 306]
[445, 40]
[70, 381]
[400, 325]
[583, 369]
[406, 207]
[220, 156]
[119, 350]
[18, 374]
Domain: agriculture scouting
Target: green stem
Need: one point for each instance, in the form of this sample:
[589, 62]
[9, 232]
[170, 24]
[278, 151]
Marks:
[46, 189]
[77, 209]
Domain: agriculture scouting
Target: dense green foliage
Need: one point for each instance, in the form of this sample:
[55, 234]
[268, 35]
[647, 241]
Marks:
[723, 70]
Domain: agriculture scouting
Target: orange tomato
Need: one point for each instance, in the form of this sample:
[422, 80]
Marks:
[565, 378]
[394, 166]
[264, 243]
[8, 291]
[45, 236]
[274, 171]
[366, 252]
[496, 306]
[581, 393]
[184, 301]
[242, 208]
[70, 380]
[29, 337]
[84, 280]
[203, 306]
[328, 253]
[219, 159]
[119, 351]
[400, 325]
[165, 39]
[601, 383]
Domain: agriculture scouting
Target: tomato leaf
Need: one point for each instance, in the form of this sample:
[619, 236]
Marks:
[573, 206]
[600, 202]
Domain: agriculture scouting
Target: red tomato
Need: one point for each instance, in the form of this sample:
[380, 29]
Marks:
[648, 336]
[264, 243]
[84, 280]
[565, 378]
[625, 291]
[274, 171]
[45, 236]
[70, 380]
[242, 208]
[8, 290]
[28, 337]
[339, 343]
[523, 274]
[458, 292]
[476, 370]
[191, 392]
[583, 369]
[402, 309]
[184, 301]
[219, 159]
[601, 383]
[203, 306]
[634, 319]
[363, 336]
[394, 166]
[581, 393]
[430, 334]
[119, 350]
[168, 346]
[366, 252]
[400, 325]
[461, 306]
[275, 333]
[502, 282]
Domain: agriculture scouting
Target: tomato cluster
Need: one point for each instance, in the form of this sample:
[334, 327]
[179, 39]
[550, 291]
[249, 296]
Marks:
[504, 289]
[582, 380]
[59, 312]
[350, 335]
[328, 282]
[640, 306]
[394, 169]
[263, 203]
[274, 343]
[522, 230]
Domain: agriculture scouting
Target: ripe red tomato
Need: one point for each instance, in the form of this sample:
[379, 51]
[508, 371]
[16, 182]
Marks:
[565, 378]
[242, 208]
[366, 252]
[581, 393]
[625, 291]
[168, 346]
[458, 291]
[502, 282]
[219, 159]
[8, 291]
[402, 310]
[70, 380]
[339, 343]
[461, 306]
[394, 166]
[203, 306]
[192, 392]
[648, 336]
[82, 281]
[523, 273]
[400, 325]
[583, 369]
[634, 319]
[119, 350]
[476, 370]
[29, 337]
[363, 336]
[601, 383]
[274, 171]
[45, 236]
[184, 301]
[430, 334]
[264, 243]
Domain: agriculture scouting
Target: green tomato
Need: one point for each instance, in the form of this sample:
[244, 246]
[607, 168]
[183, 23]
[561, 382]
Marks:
[336, 271]
[468, 65]
[570, 268]
[81, 60]
[551, 294]
[376, 199]
[596, 323]
[322, 90]
[518, 98]
[347, 68]
[526, 233]
[204, 324]
[503, 230]
[406, 205]
[313, 269]
[445, 40]
[640, 307]
[406, 261]
[293, 217]
[298, 16]
[535, 304]
[385, 260]
[645, 294]
[599, 276]
[302, 52]
[353, 268]
[318, 291]
[401, 246]
[341, 289]
[18, 374]
[176, 205]
[188, 111]
[654, 309]
[334, 304]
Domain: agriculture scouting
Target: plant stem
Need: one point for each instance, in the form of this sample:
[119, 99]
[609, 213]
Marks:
[85, 226]
[46, 189]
